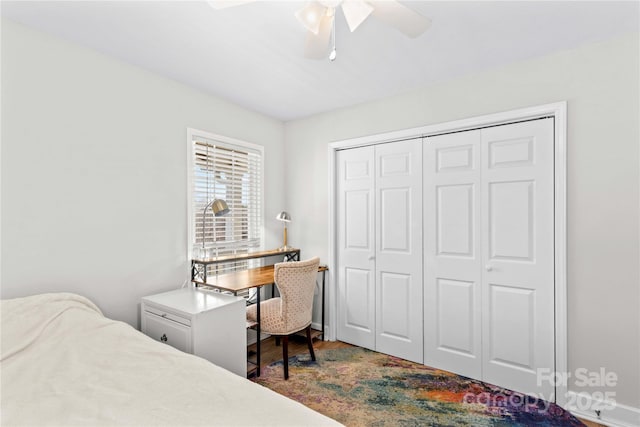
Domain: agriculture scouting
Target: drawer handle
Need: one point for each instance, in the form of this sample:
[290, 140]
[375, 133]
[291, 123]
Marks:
[163, 338]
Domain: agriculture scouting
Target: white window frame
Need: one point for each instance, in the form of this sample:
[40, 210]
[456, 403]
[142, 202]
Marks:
[230, 143]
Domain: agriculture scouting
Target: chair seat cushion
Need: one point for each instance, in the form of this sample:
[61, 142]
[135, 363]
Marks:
[271, 320]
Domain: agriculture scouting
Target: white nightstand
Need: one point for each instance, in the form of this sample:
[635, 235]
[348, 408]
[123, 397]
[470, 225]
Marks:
[208, 324]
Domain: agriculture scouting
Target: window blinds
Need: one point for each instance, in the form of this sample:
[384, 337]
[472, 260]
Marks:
[232, 173]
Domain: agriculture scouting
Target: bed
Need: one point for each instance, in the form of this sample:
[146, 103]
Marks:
[64, 363]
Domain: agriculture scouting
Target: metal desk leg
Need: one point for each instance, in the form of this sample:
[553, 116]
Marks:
[204, 274]
[323, 274]
[258, 330]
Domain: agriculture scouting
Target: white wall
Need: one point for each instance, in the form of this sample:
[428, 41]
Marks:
[601, 84]
[94, 172]
[94, 176]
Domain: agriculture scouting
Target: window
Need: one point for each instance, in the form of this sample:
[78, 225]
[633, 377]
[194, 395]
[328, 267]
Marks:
[231, 170]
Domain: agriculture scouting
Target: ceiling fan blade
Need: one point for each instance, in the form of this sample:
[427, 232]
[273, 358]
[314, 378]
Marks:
[223, 4]
[402, 18]
[355, 12]
[317, 45]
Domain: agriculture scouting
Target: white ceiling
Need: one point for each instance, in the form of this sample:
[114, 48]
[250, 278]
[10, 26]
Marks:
[252, 55]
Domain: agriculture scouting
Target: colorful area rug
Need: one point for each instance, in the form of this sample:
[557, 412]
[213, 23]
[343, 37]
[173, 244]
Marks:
[359, 387]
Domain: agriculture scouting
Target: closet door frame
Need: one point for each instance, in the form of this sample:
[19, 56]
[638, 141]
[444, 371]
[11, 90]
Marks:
[556, 110]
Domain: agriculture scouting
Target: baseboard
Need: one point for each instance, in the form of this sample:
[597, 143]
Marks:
[612, 414]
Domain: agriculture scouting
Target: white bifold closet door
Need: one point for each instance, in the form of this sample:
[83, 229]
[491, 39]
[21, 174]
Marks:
[453, 255]
[356, 247]
[489, 254]
[380, 248]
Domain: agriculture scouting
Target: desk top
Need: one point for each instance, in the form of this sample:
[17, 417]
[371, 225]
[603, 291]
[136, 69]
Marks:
[245, 279]
[240, 257]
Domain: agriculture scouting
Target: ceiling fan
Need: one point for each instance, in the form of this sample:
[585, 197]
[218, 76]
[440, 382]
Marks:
[318, 17]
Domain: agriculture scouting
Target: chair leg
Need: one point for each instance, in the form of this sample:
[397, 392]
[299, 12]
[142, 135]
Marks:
[277, 340]
[285, 355]
[310, 343]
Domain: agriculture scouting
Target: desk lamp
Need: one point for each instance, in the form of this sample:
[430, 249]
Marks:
[285, 218]
[219, 208]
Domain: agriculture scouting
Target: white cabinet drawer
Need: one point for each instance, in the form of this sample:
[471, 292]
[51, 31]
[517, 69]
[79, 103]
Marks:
[168, 331]
[167, 315]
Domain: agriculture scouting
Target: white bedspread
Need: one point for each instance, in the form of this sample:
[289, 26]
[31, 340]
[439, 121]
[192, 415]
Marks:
[64, 363]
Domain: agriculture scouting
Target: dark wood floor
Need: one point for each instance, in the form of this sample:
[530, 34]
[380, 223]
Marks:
[298, 345]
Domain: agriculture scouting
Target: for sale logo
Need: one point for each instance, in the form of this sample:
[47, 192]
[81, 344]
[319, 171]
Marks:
[596, 400]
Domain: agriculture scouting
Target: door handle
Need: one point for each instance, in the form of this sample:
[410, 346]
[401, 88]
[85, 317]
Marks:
[488, 267]
[372, 257]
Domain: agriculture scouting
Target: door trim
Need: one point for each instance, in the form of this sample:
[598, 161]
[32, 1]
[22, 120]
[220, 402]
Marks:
[558, 110]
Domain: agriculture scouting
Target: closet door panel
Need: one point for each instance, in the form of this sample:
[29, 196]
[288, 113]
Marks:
[454, 220]
[455, 316]
[395, 220]
[394, 317]
[399, 324]
[452, 275]
[358, 285]
[356, 247]
[511, 213]
[518, 254]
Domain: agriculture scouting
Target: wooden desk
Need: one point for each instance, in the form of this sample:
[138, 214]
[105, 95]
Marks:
[243, 280]
[199, 265]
